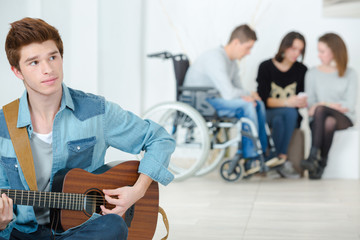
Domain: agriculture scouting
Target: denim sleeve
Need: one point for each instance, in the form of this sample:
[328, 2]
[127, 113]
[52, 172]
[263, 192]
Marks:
[7, 231]
[4, 185]
[129, 133]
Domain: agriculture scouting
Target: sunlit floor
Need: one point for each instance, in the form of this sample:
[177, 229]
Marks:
[261, 208]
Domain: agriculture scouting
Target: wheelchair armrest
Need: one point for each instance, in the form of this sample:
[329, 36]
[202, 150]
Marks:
[195, 89]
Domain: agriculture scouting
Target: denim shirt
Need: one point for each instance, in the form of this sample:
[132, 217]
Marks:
[84, 127]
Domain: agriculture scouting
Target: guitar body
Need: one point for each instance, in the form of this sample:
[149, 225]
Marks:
[145, 211]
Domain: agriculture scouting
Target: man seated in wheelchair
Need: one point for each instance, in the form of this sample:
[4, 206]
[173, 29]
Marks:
[218, 68]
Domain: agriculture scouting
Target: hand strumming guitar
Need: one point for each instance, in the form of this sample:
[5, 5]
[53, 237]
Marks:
[6, 211]
[125, 197]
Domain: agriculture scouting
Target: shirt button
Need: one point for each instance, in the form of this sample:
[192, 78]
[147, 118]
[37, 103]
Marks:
[16, 165]
[78, 147]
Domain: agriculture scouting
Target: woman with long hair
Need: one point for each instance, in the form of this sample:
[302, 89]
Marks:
[280, 80]
[331, 88]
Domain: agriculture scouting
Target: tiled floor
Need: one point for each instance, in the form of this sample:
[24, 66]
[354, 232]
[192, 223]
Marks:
[261, 208]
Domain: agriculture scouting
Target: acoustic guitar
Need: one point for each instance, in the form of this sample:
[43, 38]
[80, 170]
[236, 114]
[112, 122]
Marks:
[77, 194]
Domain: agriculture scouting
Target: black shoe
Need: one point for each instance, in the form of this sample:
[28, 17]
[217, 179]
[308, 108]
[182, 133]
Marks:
[312, 163]
[308, 164]
[317, 174]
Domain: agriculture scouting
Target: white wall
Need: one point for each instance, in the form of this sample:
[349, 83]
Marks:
[10, 87]
[196, 26]
[192, 27]
[106, 42]
[102, 46]
[103, 53]
[121, 53]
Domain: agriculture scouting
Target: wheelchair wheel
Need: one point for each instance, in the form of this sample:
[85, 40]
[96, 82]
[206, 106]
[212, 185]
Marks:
[215, 155]
[189, 129]
[235, 174]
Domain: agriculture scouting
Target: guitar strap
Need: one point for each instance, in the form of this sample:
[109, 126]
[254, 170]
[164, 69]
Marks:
[21, 143]
[166, 222]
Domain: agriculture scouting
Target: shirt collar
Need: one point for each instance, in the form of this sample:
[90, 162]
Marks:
[24, 118]
[66, 100]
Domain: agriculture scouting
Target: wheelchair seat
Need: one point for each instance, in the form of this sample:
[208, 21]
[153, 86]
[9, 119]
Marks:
[195, 96]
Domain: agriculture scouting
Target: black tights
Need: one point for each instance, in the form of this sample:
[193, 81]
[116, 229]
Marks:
[326, 121]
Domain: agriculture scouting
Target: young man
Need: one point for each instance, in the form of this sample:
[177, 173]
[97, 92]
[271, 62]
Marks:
[218, 68]
[69, 129]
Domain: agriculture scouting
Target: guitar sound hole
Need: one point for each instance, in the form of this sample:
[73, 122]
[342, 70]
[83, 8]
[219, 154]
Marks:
[94, 198]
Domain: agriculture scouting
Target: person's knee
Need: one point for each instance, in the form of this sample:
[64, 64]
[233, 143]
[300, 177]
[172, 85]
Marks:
[291, 114]
[319, 110]
[248, 108]
[260, 105]
[114, 226]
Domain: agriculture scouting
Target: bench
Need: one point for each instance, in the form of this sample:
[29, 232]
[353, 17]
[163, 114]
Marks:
[343, 159]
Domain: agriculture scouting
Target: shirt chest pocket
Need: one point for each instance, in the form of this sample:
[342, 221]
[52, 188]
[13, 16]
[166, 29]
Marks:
[80, 152]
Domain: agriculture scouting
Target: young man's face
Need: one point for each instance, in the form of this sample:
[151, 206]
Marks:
[41, 68]
[243, 49]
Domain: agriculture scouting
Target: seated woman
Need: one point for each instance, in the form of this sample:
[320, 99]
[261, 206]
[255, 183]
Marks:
[331, 89]
[280, 80]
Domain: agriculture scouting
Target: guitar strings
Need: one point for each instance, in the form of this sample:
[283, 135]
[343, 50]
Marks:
[75, 202]
[74, 199]
[31, 194]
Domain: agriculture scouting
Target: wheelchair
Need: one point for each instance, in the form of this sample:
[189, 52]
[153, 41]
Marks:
[202, 137]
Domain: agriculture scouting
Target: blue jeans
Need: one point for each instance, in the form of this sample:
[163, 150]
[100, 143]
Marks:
[283, 122]
[109, 227]
[239, 108]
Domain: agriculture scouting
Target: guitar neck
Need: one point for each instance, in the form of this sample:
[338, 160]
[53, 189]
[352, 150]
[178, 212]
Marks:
[69, 201]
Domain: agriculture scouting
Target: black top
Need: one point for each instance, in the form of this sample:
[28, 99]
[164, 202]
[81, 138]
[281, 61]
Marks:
[274, 83]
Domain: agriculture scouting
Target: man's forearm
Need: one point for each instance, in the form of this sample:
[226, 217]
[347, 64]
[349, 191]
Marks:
[142, 184]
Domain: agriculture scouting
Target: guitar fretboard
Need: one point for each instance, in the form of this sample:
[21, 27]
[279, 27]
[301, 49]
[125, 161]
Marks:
[69, 201]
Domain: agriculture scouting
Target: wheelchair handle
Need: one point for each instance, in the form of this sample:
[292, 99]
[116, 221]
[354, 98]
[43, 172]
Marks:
[195, 89]
[163, 55]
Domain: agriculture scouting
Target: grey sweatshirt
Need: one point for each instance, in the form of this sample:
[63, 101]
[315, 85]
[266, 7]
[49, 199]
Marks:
[214, 69]
[330, 88]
